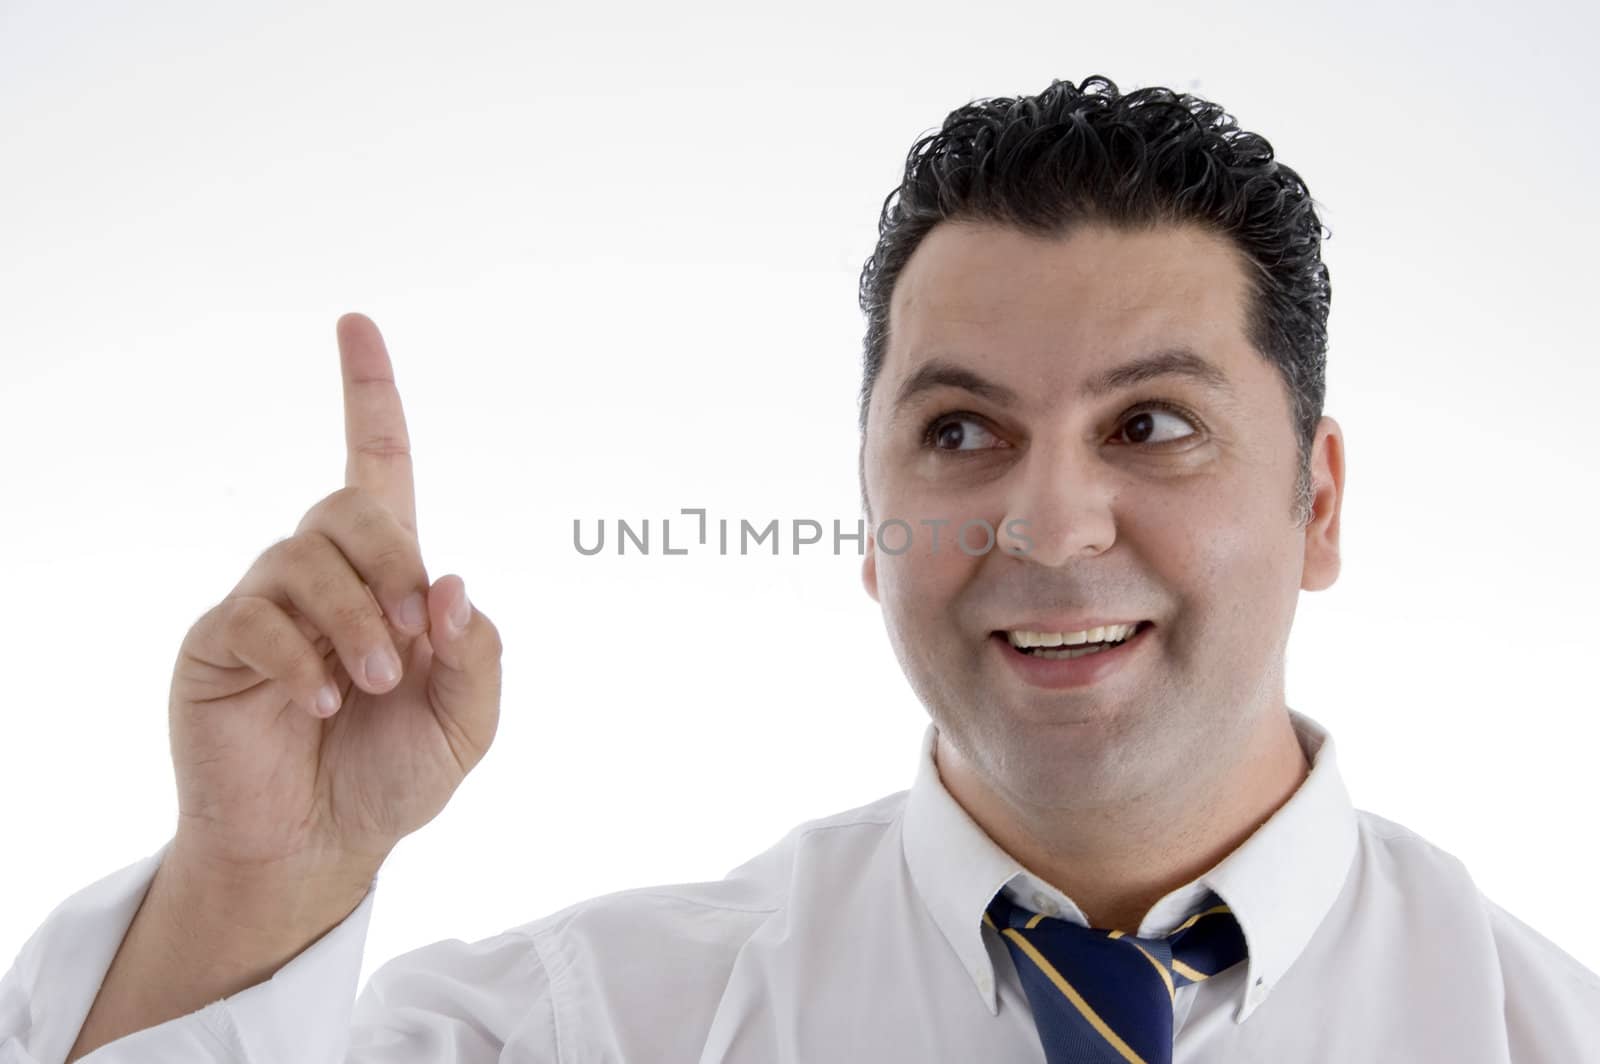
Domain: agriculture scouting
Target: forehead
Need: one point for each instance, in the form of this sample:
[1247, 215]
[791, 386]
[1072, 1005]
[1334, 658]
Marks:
[1056, 307]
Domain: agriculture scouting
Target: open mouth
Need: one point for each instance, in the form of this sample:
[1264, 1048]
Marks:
[1055, 647]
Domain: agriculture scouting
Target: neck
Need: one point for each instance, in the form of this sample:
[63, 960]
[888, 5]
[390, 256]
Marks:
[1116, 862]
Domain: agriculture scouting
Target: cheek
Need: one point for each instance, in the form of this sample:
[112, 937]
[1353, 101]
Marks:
[921, 593]
[920, 586]
[1233, 571]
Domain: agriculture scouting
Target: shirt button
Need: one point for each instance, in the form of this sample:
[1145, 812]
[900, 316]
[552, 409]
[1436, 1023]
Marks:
[985, 984]
[1044, 904]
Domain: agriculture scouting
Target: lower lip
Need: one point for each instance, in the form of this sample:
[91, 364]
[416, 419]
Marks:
[1070, 672]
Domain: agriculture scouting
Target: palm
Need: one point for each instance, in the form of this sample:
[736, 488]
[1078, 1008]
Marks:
[390, 762]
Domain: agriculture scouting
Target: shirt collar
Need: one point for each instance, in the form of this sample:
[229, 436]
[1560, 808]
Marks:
[1279, 883]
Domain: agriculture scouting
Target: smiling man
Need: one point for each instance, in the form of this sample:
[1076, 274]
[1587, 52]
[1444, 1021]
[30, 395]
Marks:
[1099, 390]
[1097, 331]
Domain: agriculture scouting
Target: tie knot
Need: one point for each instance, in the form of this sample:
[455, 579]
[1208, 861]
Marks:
[1208, 942]
[1108, 988]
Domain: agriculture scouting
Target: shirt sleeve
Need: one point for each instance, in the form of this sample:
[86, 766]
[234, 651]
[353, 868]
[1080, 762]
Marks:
[447, 1003]
[1552, 1002]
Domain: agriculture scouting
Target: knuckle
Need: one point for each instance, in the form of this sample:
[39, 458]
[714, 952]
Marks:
[305, 665]
[324, 585]
[328, 509]
[298, 551]
[393, 561]
[276, 554]
[346, 498]
[383, 445]
[243, 617]
[356, 619]
[366, 520]
[371, 537]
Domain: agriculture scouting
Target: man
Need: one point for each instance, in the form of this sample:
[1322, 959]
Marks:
[1097, 326]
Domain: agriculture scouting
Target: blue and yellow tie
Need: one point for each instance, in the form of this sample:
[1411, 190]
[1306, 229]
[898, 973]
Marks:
[1105, 997]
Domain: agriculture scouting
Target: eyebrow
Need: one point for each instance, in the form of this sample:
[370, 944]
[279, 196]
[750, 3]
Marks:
[1172, 361]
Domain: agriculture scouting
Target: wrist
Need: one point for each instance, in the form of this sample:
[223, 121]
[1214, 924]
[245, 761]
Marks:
[263, 907]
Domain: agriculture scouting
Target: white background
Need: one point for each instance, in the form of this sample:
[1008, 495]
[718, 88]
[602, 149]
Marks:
[615, 256]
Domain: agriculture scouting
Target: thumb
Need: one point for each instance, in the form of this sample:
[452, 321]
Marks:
[464, 678]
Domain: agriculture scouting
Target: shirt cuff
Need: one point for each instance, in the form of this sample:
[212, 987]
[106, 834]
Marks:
[302, 1013]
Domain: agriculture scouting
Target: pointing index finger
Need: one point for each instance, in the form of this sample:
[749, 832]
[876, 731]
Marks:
[377, 447]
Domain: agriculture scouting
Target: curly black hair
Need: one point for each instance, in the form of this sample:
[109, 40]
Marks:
[1077, 154]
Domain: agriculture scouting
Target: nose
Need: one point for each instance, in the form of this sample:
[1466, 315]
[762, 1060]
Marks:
[1059, 506]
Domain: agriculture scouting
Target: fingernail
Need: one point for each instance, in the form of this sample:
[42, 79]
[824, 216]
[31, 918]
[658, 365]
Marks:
[382, 669]
[328, 700]
[461, 612]
[414, 611]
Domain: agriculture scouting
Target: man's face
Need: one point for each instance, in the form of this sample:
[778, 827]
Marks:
[1130, 512]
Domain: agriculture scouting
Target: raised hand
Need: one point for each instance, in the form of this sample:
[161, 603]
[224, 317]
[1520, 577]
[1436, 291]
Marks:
[297, 750]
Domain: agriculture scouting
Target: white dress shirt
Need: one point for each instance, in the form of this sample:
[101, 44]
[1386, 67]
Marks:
[859, 937]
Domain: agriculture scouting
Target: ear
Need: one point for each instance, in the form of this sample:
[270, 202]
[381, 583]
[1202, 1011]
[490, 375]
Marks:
[869, 568]
[869, 562]
[1321, 566]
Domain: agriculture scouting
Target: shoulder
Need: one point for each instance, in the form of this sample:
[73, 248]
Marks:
[720, 914]
[1394, 841]
[1551, 1001]
[611, 961]
[1415, 865]
[1533, 963]
[1434, 877]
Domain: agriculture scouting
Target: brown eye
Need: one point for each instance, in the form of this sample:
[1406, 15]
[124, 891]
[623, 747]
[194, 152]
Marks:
[959, 433]
[1144, 423]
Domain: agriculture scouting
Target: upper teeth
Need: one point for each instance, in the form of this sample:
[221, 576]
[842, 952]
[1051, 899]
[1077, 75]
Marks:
[1113, 633]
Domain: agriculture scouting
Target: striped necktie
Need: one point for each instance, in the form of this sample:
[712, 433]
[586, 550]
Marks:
[1105, 997]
